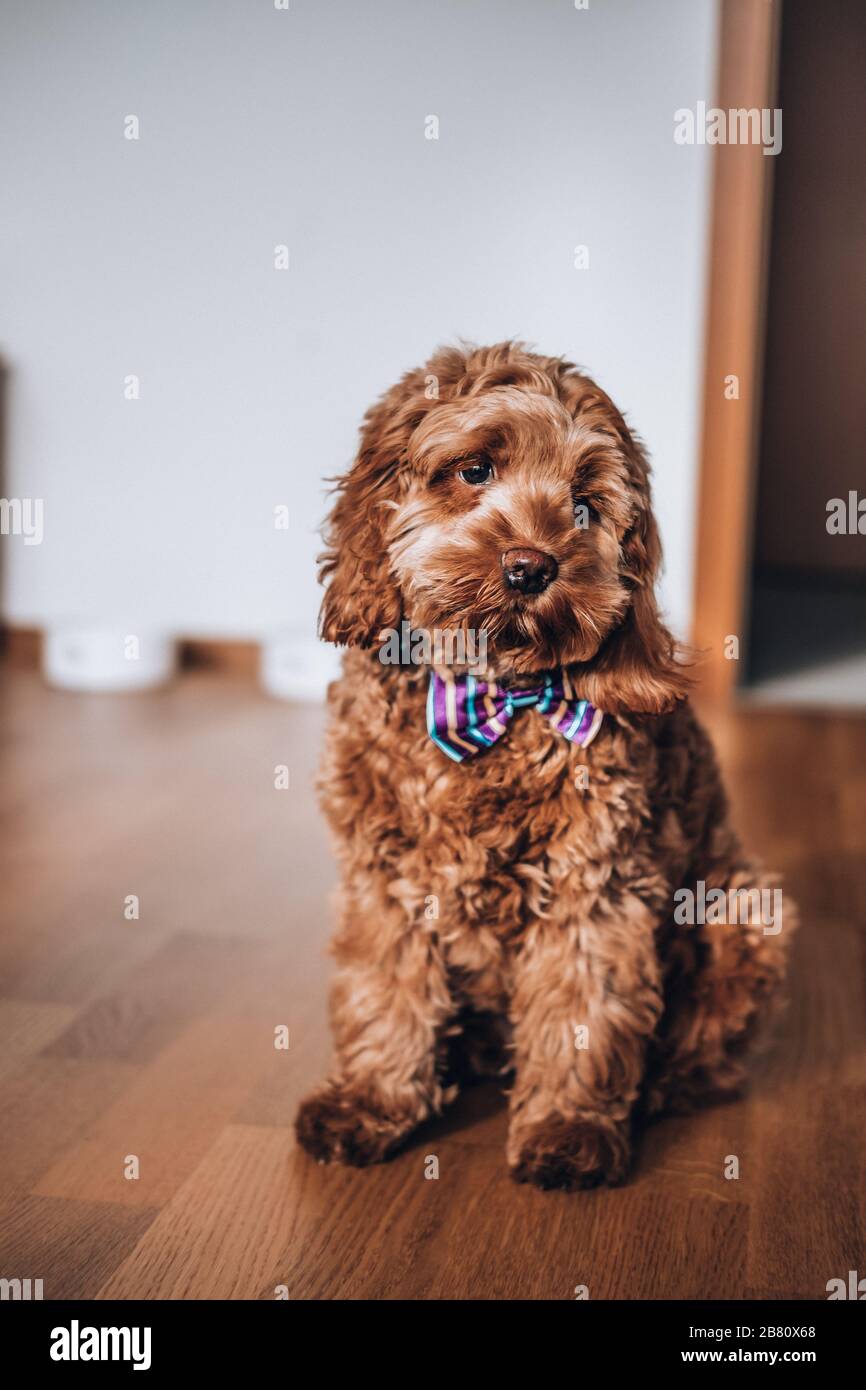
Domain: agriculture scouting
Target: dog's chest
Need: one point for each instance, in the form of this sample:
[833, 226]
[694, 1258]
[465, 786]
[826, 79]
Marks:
[530, 829]
[532, 797]
[532, 803]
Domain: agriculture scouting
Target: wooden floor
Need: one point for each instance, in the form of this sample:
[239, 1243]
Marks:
[154, 1038]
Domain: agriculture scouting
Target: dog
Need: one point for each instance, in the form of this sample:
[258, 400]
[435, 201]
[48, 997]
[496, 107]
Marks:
[512, 839]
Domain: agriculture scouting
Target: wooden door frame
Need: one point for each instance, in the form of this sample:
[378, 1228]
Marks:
[734, 342]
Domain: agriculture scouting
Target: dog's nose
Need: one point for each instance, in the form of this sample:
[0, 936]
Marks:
[529, 571]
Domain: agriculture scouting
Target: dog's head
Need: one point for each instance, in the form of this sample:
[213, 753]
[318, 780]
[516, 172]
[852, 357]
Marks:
[499, 491]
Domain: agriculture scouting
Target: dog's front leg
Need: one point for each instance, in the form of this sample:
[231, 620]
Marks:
[389, 1007]
[585, 1002]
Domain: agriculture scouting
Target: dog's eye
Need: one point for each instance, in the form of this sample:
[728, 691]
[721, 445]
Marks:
[476, 473]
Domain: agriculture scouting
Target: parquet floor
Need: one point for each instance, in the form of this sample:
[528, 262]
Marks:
[152, 1039]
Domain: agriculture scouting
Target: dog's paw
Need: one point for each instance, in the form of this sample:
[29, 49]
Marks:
[583, 1151]
[341, 1126]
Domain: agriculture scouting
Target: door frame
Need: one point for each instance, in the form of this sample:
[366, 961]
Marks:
[747, 76]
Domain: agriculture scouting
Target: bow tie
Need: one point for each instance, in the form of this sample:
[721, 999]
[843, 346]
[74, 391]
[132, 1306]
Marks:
[466, 715]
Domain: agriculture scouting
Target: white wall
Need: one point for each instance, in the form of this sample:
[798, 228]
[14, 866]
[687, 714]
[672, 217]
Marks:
[306, 127]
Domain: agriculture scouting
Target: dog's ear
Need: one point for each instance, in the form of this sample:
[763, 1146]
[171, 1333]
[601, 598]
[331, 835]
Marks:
[639, 668]
[362, 596]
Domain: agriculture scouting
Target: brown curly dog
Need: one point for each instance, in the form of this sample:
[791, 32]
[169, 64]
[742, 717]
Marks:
[510, 894]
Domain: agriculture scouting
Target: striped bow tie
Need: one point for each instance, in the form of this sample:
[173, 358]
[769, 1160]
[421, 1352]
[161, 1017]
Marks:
[466, 715]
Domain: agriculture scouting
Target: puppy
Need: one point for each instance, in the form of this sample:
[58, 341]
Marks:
[520, 844]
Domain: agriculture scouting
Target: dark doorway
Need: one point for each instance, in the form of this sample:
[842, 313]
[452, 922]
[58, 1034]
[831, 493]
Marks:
[807, 589]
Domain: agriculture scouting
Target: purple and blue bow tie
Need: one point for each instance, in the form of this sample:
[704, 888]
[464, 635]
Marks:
[465, 715]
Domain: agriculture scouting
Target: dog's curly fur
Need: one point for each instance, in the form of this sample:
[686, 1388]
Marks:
[554, 891]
